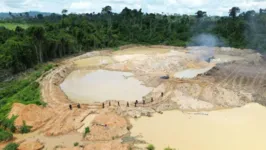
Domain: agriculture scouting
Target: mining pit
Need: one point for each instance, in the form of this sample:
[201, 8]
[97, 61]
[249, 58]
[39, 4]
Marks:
[204, 105]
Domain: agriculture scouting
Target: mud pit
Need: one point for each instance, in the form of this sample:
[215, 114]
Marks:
[233, 78]
[88, 87]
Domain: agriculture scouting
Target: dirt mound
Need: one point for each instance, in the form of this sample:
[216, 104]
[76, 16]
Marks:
[33, 115]
[31, 145]
[66, 121]
[155, 63]
[107, 126]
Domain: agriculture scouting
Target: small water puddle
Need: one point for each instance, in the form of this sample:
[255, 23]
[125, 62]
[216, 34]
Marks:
[51, 142]
[97, 86]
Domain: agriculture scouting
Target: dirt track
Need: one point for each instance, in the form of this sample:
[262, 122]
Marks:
[225, 86]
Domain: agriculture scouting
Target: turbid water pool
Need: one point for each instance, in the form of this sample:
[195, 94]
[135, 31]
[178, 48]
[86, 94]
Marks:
[86, 86]
[232, 129]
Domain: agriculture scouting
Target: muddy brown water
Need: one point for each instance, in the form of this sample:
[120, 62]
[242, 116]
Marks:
[51, 142]
[86, 86]
[233, 129]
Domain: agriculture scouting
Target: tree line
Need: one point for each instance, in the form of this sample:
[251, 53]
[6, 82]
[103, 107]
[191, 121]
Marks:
[66, 34]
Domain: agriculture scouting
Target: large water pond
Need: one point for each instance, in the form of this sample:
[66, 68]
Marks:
[86, 86]
[233, 129]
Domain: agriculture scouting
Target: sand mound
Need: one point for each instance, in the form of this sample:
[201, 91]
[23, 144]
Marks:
[33, 115]
[116, 126]
[31, 145]
[169, 62]
[187, 102]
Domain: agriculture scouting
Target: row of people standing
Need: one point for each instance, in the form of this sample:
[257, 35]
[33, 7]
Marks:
[136, 102]
[118, 103]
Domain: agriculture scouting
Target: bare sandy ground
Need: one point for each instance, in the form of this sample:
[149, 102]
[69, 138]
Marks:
[217, 88]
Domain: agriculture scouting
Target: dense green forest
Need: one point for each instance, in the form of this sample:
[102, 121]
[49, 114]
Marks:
[61, 35]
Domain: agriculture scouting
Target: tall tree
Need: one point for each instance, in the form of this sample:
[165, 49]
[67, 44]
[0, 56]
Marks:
[37, 34]
[27, 15]
[201, 14]
[107, 10]
[262, 11]
[234, 11]
[64, 11]
[11, 15]
[40, 16]
[249, 14]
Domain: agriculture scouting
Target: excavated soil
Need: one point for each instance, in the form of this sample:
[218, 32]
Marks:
[233, 78]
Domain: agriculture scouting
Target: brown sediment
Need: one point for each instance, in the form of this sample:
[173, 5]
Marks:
[225, 86]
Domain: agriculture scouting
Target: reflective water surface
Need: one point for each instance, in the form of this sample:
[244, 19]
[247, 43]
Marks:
[86, 86]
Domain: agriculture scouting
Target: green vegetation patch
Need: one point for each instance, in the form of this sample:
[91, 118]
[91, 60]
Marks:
[11, 146]
[5, 135]
[76, 144]
[13, 26]
[169, 148]
[24, 89]
[25, 128]
[87, 131]
[150, 147]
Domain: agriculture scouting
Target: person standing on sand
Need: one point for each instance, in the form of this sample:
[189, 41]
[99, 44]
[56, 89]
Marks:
[152, 99]
[103, 105]
[78, 105]
[162, 94]
[70, 106]
[127, 104]
[136, 103]
[118, 103]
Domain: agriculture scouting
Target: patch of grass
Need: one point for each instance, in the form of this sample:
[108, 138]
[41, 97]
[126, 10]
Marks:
[48, 67]
[87, 131]
[115, 48]
[168, 148]
[12, 26]
[11, 146]
[150, 147]
[76, 144]
[25, 128]
[5, 135]
[8, 123]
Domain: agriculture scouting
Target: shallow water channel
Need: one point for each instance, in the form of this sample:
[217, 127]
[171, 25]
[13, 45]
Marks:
[86, 86]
